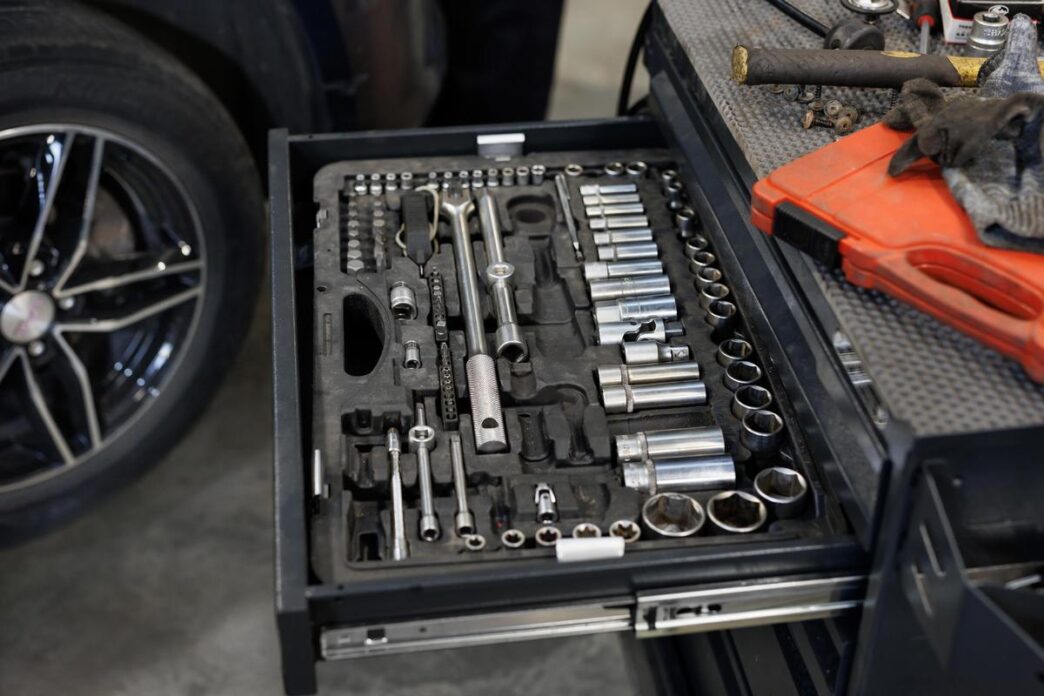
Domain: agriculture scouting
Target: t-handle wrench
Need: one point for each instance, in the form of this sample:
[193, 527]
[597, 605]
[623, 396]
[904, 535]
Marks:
[500, 284]
[487, 418]
[399, 546]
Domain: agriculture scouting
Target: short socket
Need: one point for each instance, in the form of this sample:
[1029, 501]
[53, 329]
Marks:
[586, 530]
[736, 512]
[574, 170]
[637, 168]
[648, 352]
[686, 221]
[741, 373]
[403, 301]
[672, 515]
[614, 169]
[700, 259]
[783, 489]
[761, 431]
[720, 314]
[750, 397]
[507, 176]
[522, 175]
[675, 194]
[474, 542]
[694, 245]
[411, 359]
[627, 530]
[513, 538]
[538, 171]
[547, 536]
[732, 349]
[713, 292]
[708, 275]
[667, 176]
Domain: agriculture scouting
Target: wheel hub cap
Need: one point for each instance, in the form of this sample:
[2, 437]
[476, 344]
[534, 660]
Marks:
[27, 317]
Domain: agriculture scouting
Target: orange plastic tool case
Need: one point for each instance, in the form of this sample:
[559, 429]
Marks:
[908, 237]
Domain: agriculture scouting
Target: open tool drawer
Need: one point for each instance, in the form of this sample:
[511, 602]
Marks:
[343, 380]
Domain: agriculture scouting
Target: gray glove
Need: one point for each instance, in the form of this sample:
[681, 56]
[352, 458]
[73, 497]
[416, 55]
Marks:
[989, 146]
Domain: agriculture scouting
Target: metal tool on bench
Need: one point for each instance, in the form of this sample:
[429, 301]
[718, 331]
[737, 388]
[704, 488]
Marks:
[463, 520]
[649, 352]
[614, 332]
[400, 548]
[487, 418]
[562, 188]
[422, 441]
[610, 375]
[510, 343]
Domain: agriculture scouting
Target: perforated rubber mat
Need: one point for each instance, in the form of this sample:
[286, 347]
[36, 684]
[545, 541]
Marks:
[932, 377]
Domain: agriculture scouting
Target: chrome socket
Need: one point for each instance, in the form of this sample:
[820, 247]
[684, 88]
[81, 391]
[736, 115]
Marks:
[657, 373]
[649, 352]
[741, 373]
[761, 431]
[422, 439]
[573, 170]
[733, 349]
[610, 198]
[403, 301]
[614, 169]
[474, 542]
[616, 332]
[675, 194]
[547, 536]
[639, 308]
[672, 515]
[406, 180]
[783, 489]
[700, 259]
[720, 314]
[627, 530]
[586, 530]
[411, 359]
[708, 275]
[713, 292]
[463, 519]
[602, 210]
[522, 175]
[617, 222]
[628, 252]
[708, 473]
[686, 221]
[510, 343]
[638, 234]
[694, 245]
[546, 503]
[538, 171]
[637, 168]
[670, 444]
[666, 177]
[507, 176]
[602, 270]
[513, 538]
[736, 512]
[625, 398]
[631, 286]
[605, 189]
[750, 397]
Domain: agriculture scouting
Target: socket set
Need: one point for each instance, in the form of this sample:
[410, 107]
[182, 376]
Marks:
[542, 358]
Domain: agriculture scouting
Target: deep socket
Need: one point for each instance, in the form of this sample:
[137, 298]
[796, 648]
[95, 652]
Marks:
[657, 373]
[648, 352]
[709, 473]
[602, 270]
[463, 519]
[628, 252]
[638, 234]
[784, 489]
[627, 399]
[617, 222]
[737, 512]
[625, 309]
[672, 515]
[601, 210]
[611, 198]
[670, 444]
[602, 189]
[631, 286]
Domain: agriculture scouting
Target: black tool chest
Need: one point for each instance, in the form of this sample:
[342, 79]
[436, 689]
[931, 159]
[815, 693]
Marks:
[355, 355]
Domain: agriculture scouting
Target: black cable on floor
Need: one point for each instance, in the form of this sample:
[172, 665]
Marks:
[632, 61]
[805, 20]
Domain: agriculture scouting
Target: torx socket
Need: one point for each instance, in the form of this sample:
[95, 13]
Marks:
[586, 530]
[672, 515]
[611, 198]
[740, 373]
[638, 234]
[603, 270]
[761, 431]
[632, 286]
[463, 519]
[617, 222]
[513, 538]
[624, 398]
[601, 210]
[720, 314]
[736, 512]
[686, 221]
[750, 397]
[700, 259]
[648, 352]
[656, 373]
[400, 548]
[661, 307]
[670, 444]
[422, 439]
[733, 349]
[628, 252]
[546, 503]
[613, 332]
[712, 472]
[713, 292]
[694, 245]
[597, 189]
[783, 489]
[708, 275]
[628, 530]
[547, 536]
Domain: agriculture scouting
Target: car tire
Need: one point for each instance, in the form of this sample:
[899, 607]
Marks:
[82, 73]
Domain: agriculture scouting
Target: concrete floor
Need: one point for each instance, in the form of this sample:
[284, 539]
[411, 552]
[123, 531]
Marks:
[166, 587]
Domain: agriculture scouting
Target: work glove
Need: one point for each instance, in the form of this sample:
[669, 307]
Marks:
[989, 145]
